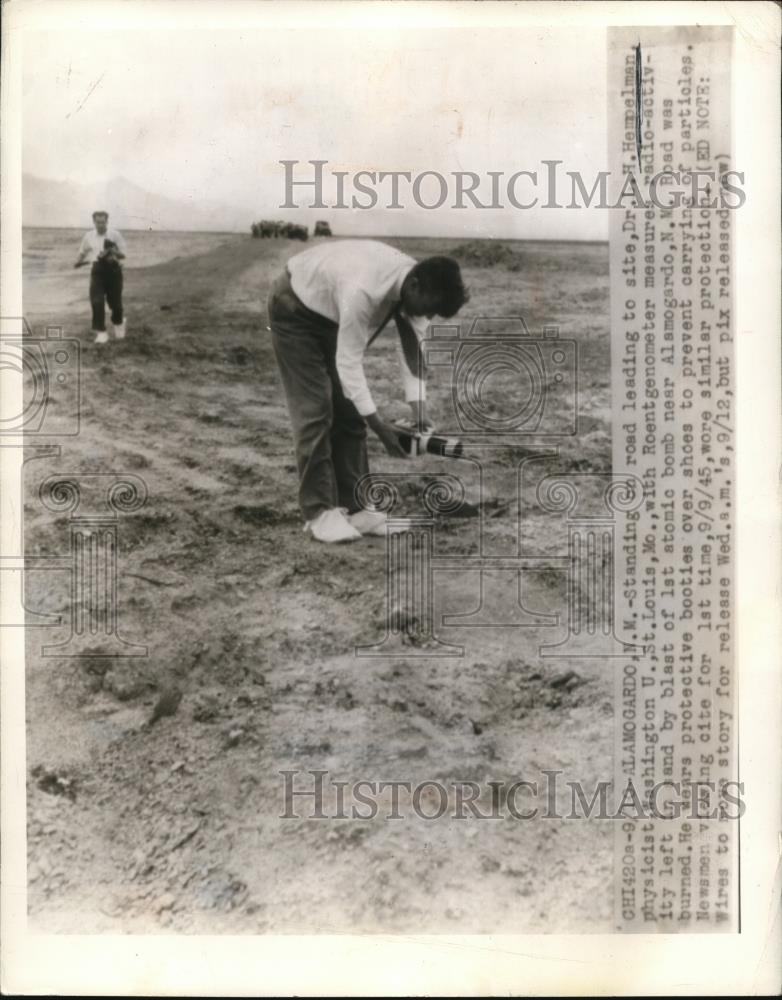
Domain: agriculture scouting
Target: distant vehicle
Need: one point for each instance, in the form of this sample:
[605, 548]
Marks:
[322, 229]
[266, 229]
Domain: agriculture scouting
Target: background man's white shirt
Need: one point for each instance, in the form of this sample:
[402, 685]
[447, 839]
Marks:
[92, 244]
[355, 283]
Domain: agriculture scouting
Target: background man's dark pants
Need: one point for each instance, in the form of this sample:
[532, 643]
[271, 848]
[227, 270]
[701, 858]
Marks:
[105, 282]
[329, 434]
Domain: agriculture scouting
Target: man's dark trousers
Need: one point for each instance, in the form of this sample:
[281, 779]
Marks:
[105, 283]
[329, 434]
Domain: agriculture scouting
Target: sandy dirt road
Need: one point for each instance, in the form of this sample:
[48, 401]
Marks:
[177, 826]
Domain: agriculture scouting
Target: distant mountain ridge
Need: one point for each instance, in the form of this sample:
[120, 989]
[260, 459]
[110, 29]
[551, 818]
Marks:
[70, 204]
[47, 202]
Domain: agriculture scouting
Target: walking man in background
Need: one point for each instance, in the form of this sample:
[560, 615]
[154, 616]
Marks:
[324, 311]
[104, 249]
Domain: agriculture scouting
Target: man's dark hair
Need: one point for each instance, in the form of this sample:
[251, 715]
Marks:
[441, 277]
[100, 212]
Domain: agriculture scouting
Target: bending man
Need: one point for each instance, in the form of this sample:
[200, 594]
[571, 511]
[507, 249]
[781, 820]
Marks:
[324, 311]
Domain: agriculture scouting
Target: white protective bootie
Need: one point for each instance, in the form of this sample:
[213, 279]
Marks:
[119, 331]
[373, 522]
[101, 337]
[331, 526]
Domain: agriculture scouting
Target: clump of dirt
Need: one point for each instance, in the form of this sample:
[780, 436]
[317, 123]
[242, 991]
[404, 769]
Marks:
[53, 783]
[260, 514]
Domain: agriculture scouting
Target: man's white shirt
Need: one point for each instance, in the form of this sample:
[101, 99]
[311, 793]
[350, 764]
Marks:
[92, 244]
[355, 283]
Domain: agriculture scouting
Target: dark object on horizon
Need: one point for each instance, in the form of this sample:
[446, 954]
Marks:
[322, 229]
[266, 229]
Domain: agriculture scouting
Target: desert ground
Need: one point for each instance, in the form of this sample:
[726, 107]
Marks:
[176, 827]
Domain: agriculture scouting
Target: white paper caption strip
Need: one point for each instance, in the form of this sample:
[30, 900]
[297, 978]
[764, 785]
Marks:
[673, 401]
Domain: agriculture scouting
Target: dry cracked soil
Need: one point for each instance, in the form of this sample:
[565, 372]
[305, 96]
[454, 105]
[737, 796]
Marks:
[180, 824]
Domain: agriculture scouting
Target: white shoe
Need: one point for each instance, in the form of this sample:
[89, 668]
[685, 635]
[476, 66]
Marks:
[101, 337]
[373, 522]
[119, 331]
[332, 526]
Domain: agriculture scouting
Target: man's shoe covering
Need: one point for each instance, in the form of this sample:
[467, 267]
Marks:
[101, 337]
[331, 526]
[372, 522]
[119, 331]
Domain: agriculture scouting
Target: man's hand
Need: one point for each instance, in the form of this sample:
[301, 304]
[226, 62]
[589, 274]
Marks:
[388, 434]
[421, 420]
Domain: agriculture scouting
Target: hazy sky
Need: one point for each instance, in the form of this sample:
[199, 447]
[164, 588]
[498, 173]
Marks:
[208, 114]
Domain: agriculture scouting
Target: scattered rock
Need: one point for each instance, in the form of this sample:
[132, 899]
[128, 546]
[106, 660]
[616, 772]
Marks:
[164, 902]
[233, 737]
[167, 704]
[346, 701]
[464, 510]
[565, 680]
[206, 708]
[186, 835]
[260, 514]
[53, 783]
[135, 460]
[313, 749]
[349, 836]
[238, 355]
[401, 620]
[124, 682]
[98, 665]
